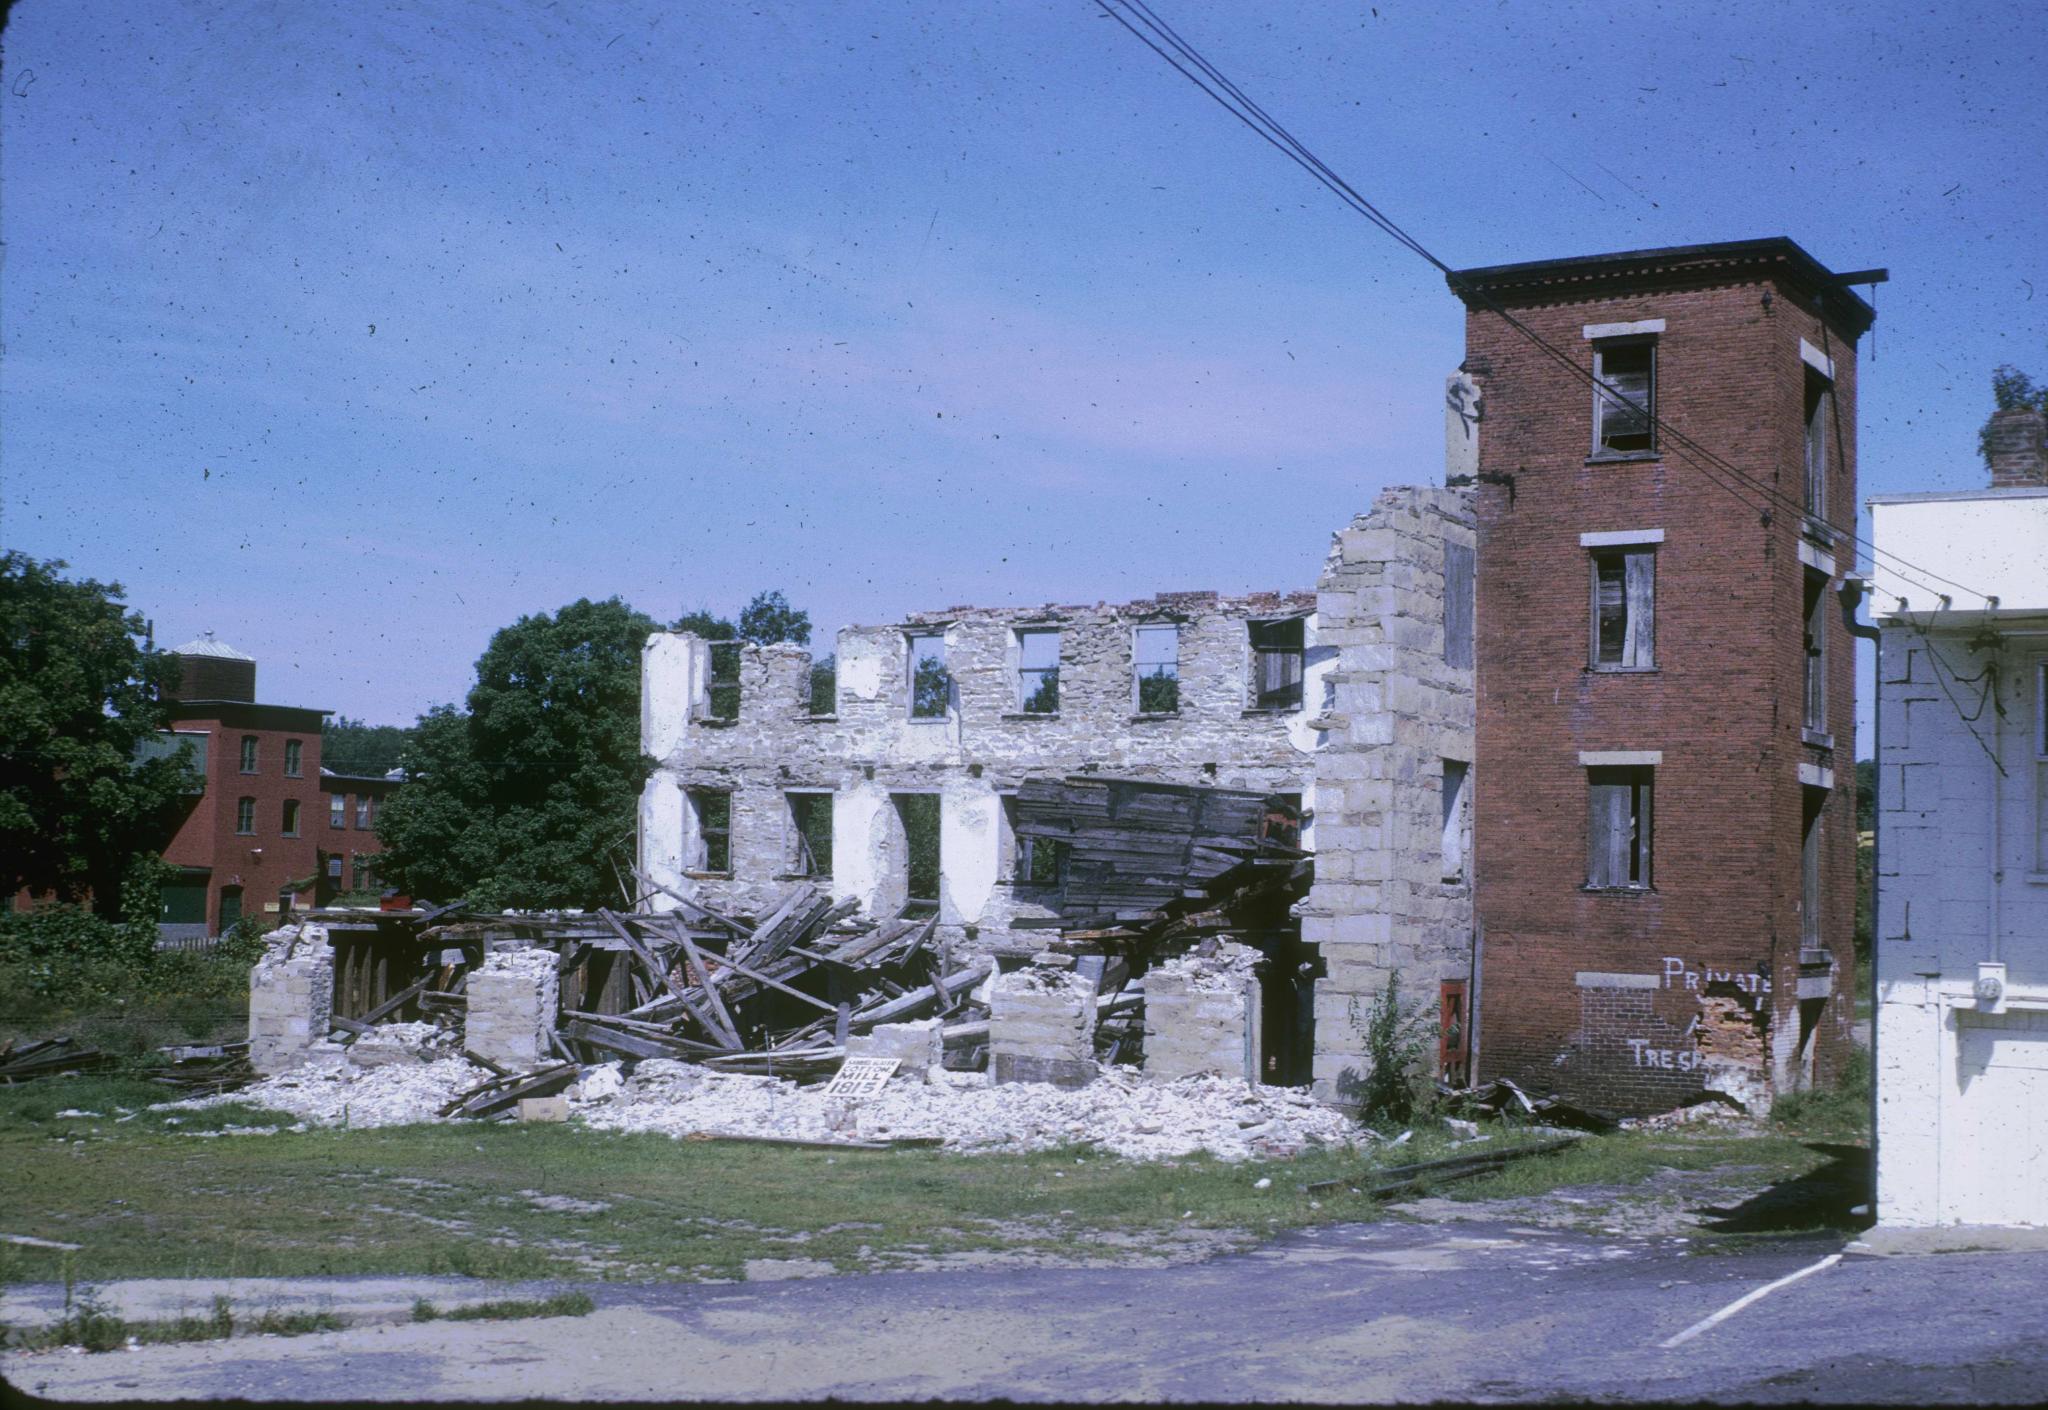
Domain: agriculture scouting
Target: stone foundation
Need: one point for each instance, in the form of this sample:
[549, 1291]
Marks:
[513, 998]
[291, 998]
[1201, 1015]
[1042, 1027]
[917, 1046]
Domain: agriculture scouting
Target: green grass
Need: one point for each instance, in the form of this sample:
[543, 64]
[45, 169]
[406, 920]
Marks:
[89, 1324]
[180, 998]
[569, 1304]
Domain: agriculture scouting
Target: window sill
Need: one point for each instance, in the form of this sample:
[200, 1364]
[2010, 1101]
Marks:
[1031, 714]
[2036, 878]
[1600, 670]
[1591, 890]
[714, 721]
[251, 773]
[929, 719]
[1255, 711]
[1817, 738]
[819, 719]
[820, 877]
[1623, 457]
[696, 875]
[1148, 716]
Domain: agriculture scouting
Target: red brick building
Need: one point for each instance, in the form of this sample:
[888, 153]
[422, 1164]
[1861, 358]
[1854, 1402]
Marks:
[252, 842]
[1665, 812]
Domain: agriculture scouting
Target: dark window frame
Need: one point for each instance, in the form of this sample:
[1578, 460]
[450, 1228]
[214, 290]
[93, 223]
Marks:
[1153, 677]
[714, 843]
[1634, 615]
[252, 754]
[1634, 422]
[1620, 827]
[1274, 684]
[245, 817]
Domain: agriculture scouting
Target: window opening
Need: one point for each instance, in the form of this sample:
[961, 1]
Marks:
[1038, 672]
[1277, 652]
[1157, 664]
[1816, 646]
[919, 813]
[1454, 1049]
[248, 753]
[1623, 416]
[1819, 408]
[1618, 830]
[1810, 905]
[825, 686]
[245, 817]
[364, 874]
[724, 690]
[1458, 563]
[1282, 820]
[1624, 609]
[364, 810]
[713, 810]
[337, 810]
[291, 817]
[294, 754]
[931, 682]
[1454, 808]
[810, 833]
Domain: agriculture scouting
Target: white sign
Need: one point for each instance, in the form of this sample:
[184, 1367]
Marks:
[861, 1076]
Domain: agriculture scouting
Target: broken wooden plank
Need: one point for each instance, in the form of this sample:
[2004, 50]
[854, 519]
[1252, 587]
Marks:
[394, 1003]
[759, 978]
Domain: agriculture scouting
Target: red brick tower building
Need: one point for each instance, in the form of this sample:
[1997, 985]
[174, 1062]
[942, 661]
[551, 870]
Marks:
[1664, 835]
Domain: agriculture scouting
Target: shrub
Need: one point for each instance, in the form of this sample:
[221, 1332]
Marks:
[1395, 1044]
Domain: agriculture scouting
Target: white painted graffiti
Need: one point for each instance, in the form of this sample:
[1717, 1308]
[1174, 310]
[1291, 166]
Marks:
[1680, 975]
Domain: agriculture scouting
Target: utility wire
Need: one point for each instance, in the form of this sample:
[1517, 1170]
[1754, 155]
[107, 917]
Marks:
[1247, 111]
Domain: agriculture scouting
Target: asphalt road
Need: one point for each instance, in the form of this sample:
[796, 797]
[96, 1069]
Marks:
[1473, 1311]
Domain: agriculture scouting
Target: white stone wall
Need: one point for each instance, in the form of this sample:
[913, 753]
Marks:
[1201, 1015]
[1042, 1027]
[291, 998]
[514, 1001]
[1381, 902]
[1962, 1081]
[919, 1046]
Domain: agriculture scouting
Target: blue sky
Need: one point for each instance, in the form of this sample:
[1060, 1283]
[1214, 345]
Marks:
[354, 332]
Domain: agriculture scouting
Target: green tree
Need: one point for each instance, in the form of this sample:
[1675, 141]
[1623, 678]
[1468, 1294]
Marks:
[528, 797]
[79, 698]
[355, 747]
[705, 624]
[769, 619]
[2011, 390]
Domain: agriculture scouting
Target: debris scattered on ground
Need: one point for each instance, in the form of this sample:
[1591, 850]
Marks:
[21, 1062]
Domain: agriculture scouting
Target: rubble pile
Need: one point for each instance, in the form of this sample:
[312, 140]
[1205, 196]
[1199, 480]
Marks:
[329, 1089]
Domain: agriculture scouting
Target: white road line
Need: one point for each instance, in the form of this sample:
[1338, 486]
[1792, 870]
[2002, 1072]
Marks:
[1745, 1300]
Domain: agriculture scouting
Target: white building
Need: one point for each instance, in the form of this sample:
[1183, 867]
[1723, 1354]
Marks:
[1961, 1039]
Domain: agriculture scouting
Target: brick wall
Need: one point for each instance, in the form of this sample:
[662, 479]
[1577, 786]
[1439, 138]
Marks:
[1723, 705]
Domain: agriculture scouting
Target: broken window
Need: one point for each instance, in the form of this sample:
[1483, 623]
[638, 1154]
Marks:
[825, 686]
[1816, 642]
[1454, 800]
[1156, 654]
[1277, 651]
[245, 817]
[1625, 404]
[724, 691]
[1618, 827]
[1041, 861]
[248, 753]
[931, 682]
[1624, 609]
[337, 810]
[291, 817]
[1038, 672]
[1282, 820]
[810, 833]
[1815, 801]
[294, 756]
[711, 810]
[919, 813]
[1820, 403]
[1458, 605]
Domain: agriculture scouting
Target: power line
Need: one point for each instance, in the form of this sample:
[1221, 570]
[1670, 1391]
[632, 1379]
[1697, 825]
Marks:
[1247, 111]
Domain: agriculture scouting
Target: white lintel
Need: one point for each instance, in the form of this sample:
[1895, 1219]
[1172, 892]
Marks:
[1623, 330]
[1617, 538]
[1816, 558]
[1814, 776]
[1600, 979]
[1816, 359]
[1611, 758]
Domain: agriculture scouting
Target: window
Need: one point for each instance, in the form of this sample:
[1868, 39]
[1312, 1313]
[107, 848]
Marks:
[724, 689]
[825, 686]
[1625, 405]
[1156, 663]
[1815, 804]
[364, 872]
[918, 815]
[334, 867]
[1455, 812]
[294, 752]
[1816, 640]
[711, 809]
[1624, 608]
[1820, 406]
[1282, 820]
[1032, 861]
[245, 817]
[337, 810]
[931, 682]
[810, 833]
[364, 811]
[1458, 605]
[1618, 827]
[1277, 651]
[248, 753]
[291, 818]
[1038, 672]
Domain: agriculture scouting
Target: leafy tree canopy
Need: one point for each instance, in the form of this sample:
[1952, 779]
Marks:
[706, 625]
[528, 797]
[354, 747]
[765, 621]
[2011, 390]
[79, 694]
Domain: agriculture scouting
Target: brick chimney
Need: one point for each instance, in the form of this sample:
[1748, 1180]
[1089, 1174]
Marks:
[2013, 440]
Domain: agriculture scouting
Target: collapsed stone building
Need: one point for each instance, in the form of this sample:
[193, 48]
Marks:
[894, 779]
